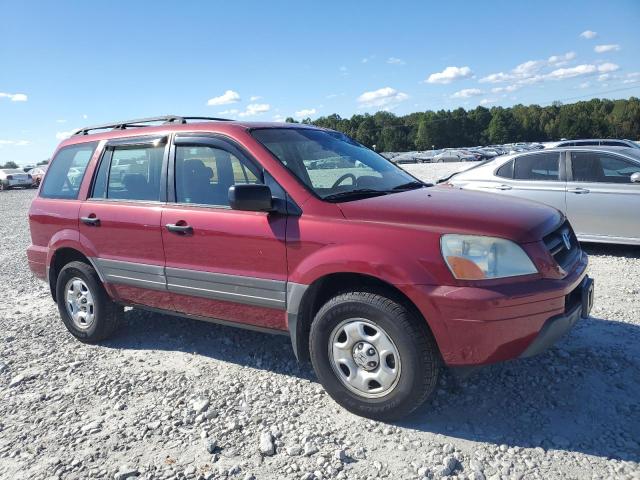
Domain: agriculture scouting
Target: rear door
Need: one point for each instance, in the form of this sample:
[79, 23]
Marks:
[534, 176]
[602, 202]
[221, 263]
[120, 220]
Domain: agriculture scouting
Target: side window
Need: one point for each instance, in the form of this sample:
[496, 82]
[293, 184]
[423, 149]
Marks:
[132, 174]
[204, 175]
[66, 171]
[537, 167]
[612, 143]
[603, 168]
[506, 170]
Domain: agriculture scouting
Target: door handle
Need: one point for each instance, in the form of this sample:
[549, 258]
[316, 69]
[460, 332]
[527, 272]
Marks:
[180, 229]
[93, 221]
[503, 187]
[578, 190]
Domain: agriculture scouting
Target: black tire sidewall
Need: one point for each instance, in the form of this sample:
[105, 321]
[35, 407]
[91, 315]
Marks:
[90, 277]
[406, 394]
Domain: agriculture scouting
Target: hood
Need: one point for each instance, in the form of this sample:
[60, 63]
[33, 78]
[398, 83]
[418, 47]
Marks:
[446, 209]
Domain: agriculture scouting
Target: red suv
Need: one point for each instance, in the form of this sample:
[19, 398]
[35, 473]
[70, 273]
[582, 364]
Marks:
[379, 279]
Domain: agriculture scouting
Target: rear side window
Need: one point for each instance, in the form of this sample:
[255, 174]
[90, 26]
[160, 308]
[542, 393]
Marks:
[66, 171]
[540, 166]
[601, 168]
[506, 170]
[130, 174]
[613, 143]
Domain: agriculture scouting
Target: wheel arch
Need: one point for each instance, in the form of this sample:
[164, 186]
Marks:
[61, 257]
[304, 301]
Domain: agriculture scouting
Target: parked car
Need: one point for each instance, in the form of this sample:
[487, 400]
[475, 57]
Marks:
[14, 178]
[593, 142]
[597, 188]
[377, 278]
[37, 174]
[454, 156]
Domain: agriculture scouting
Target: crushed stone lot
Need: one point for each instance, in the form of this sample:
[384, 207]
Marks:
[175, 398]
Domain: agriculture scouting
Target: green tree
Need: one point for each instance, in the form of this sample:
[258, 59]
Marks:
[10, 164]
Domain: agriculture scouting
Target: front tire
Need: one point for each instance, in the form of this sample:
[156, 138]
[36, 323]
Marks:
[84, 305]
[373, 355]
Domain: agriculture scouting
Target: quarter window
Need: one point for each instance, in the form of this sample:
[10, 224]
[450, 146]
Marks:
[66, 171]
[601, 168]
[205, 174]
[537, 167]
[131, 174]
[506, 170]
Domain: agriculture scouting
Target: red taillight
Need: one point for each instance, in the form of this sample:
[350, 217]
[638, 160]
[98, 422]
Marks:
[9, 177]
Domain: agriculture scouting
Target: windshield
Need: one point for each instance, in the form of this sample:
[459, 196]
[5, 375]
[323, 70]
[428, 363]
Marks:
[333, 165]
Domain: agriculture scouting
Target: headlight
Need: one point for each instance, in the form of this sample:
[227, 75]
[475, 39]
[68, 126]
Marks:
[471, 257]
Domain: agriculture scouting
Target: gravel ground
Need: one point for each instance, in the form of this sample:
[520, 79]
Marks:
[174, 398]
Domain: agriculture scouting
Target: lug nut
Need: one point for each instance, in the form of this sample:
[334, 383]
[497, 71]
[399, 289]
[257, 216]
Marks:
[371, 364]
[360, 346]
[371, 352]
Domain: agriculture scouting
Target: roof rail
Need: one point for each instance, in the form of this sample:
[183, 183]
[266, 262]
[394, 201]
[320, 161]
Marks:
[140, 122]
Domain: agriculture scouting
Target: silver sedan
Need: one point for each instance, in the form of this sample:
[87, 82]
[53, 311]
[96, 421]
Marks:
[598, 188]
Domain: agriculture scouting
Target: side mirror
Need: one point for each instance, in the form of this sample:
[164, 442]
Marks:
[251, 197]
[635, 177]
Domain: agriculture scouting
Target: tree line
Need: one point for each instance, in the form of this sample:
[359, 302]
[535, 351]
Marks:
[596, 118]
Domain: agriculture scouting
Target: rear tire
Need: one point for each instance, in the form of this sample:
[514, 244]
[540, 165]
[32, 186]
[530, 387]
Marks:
[382, 386]
[84, 305]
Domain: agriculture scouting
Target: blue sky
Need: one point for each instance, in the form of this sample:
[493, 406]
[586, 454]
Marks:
[67, 64]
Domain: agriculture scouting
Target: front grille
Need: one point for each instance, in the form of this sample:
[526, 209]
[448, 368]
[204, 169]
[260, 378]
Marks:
[557, 241]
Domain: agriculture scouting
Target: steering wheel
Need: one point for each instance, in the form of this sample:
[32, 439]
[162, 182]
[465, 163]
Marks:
[343, 178]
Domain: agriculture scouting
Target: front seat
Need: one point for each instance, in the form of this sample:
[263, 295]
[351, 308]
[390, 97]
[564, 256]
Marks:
[196, 182]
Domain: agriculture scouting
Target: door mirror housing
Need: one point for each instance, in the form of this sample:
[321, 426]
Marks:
[635, 177]
[251, 197]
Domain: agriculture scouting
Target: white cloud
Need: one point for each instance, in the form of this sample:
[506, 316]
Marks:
[467, 92]
[65, 135]
[487, 101]
[395, 61]
[383, 97]
[508, 88]
[14, 143]
[604, 77]
[61, 120]
[561, 59]
[608, 67]
[632, 77]
[528, 68]
[84, 116]
[606, 48]
[254, 98]
[14, 97]
[305, 112]
[584, 85]
[562, 73]
[230, 111]
[589, 34]
[226, 98]
[449, 74]
[254, 109]
[278, 118]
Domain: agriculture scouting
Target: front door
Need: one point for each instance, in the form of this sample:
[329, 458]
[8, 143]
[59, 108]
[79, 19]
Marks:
[120, 220]
[602, 202]
[221, 263]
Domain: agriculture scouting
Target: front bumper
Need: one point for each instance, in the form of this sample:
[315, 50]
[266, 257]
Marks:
[557, 326]
[483, 325]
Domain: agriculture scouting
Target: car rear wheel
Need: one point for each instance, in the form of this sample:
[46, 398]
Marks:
[373, 355]
[84, 305]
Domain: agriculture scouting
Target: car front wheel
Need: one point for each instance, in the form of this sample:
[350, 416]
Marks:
[373, 355]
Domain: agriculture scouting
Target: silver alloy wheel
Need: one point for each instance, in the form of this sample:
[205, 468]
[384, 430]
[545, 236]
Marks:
[364, 358]
[79, 302]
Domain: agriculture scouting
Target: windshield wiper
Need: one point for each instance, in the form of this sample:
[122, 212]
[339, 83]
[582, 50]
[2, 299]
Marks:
[412, 185]
[354, 194]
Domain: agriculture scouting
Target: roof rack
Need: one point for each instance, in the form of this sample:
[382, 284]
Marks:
[140, 122]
